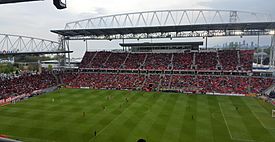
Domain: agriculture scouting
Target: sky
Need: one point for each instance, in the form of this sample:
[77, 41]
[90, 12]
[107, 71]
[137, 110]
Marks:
[36, 19]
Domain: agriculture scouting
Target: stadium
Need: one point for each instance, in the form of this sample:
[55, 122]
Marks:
[175, 90]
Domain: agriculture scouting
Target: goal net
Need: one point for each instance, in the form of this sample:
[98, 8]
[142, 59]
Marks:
[273, 113]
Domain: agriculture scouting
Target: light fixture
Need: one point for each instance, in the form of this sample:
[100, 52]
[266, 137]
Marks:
[238, 32]
[272, 32]
[60, 4]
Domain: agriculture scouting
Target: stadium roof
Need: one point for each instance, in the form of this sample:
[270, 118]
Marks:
[107, 32]
[18, 44]
[35, 53]
[160, 44]
[15, 1]
[72, 61]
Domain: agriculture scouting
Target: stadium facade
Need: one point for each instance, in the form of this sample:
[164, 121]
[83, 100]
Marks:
[182, 67]
[170, 66]
[167, 62]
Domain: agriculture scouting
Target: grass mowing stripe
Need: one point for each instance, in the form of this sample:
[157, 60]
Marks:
[258, 118]
[128, 119]
[173, 127]
[261, 113]
[17, 124]
[230, 131]
[49, 130]
[160, 123]
[140, 114]
[236, 121]
[95, 115]
[109, 121]
[153, 122]
[188, 128]
[165, 117]
[53, 113]
[204, 127]
[142, 128]
[256, 130]
[101, 117]
[42, 103]
[220, 132]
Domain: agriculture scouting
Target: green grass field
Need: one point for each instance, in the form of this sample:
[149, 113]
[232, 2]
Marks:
[163, 117]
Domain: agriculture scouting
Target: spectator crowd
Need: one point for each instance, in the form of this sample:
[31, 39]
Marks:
[185, 83]
[226, 60]
[26, 83]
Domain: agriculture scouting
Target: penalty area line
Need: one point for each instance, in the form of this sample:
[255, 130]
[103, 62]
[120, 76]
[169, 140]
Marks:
[261, 121]
[238, 139]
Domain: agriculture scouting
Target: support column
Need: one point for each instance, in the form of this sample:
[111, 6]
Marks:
[123, 45]
[206, 42]
[249, 80]
[86, 45]
[233, 17]
[258, 41]
[62, 57]
[67, 43]
[272, 51]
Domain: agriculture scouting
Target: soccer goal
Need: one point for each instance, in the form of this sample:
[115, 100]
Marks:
[273, 113]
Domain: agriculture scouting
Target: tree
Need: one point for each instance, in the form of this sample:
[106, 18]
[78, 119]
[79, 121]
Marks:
[7, 68]
[50, 67]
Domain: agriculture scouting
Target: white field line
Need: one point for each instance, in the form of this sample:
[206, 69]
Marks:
[108, 125]
[229, 129]
[261, 121]
[33, 139]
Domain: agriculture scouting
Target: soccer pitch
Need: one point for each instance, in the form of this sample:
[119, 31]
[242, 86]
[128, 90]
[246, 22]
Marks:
[121, 116]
